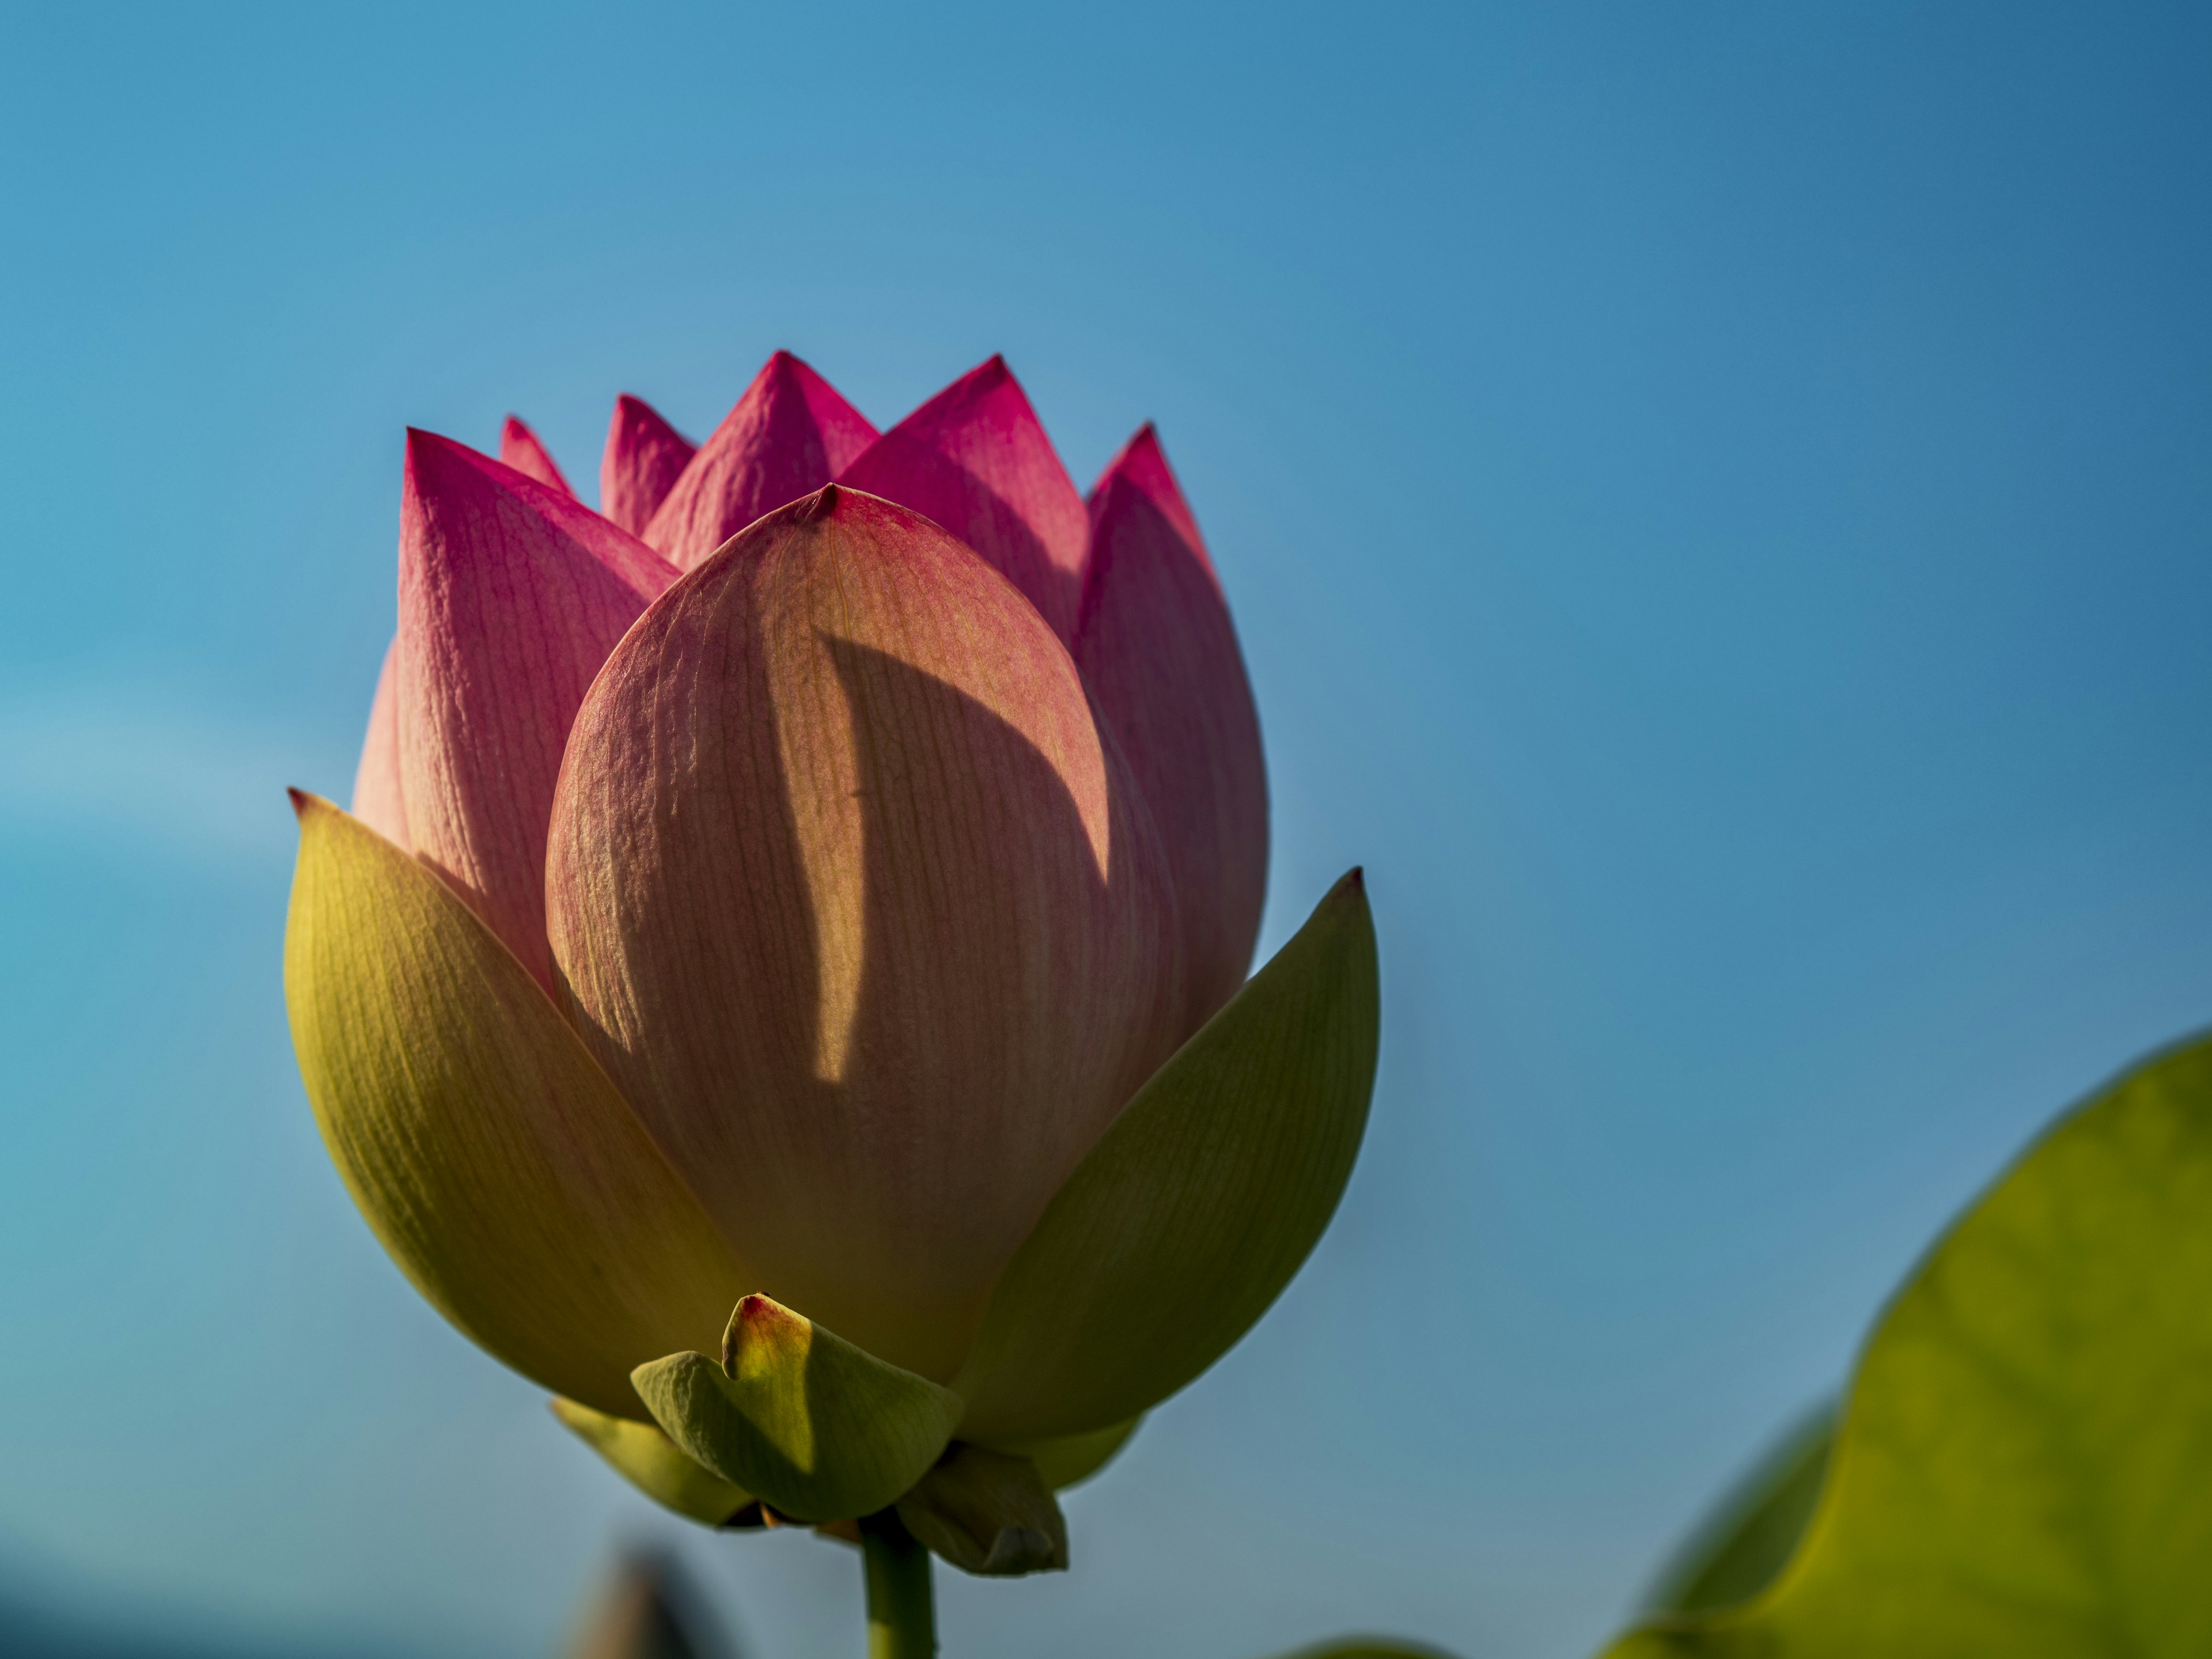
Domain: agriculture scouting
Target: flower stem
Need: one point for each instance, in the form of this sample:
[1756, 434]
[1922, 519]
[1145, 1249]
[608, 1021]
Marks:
[901, 1616]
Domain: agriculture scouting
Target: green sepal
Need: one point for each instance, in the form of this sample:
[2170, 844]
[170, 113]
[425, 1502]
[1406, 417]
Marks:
[1195, 1207]
[2025, 1464]
[1071, 1459]
[815, 1428]
[652, 1462]
[1743, 1545]
[988, 1513]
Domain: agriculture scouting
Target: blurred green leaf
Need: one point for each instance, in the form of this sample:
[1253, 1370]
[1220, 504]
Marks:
[2024, 1465]
[1744, 1544]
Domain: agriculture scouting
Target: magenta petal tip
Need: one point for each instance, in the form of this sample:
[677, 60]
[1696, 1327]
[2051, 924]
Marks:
[522, 449]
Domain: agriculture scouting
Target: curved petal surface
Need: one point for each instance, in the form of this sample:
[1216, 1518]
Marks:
[378, 800]
[510, 598]
[976, 458]
[520, 448]
[861, 912]
[788, 435]
[644, 458]
[1159, 653]
[486, 1148]
[1193, 1212]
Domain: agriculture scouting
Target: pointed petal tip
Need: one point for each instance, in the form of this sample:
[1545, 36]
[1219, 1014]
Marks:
[1145, 441]
[1142, 465]
[525, 452]
[754, 1312]
[1350, 891]
[425, 447]
[984, 379]
[302, 803]
[789, 368]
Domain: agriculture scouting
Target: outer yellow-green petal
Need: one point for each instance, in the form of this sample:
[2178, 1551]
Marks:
[486, 1148]
[2024, 1467]
[1743, 1546]
[817, 1429]
[1196, 1206]
[1071, 1459]
[649, 1461]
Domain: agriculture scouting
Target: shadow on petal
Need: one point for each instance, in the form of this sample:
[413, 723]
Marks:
[863, 911]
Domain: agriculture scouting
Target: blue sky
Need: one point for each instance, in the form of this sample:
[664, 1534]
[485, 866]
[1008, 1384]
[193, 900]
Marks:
[1717, 502]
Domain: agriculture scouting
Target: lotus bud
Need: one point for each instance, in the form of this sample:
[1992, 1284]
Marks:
[782, 986]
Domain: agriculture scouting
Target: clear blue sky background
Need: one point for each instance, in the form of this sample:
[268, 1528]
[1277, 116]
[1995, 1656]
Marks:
[1717, 501]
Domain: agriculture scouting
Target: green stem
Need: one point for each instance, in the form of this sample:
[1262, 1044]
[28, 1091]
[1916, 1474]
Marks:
[902, 1617]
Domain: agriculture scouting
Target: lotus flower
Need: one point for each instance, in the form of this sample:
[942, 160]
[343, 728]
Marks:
[822, 887]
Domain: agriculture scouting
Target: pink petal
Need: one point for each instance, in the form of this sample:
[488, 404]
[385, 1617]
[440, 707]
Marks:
[644, 458]
[1158, 649]
[860, 913]
[510, 598]
[519, 448]
[788, 435]
[976, 458]
[377, 798]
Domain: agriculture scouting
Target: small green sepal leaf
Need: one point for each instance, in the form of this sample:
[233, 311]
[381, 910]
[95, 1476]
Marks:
[1195, 1207]
[988, 1513]
[652, 1462]
[2025, 1465]
[815, 1428]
